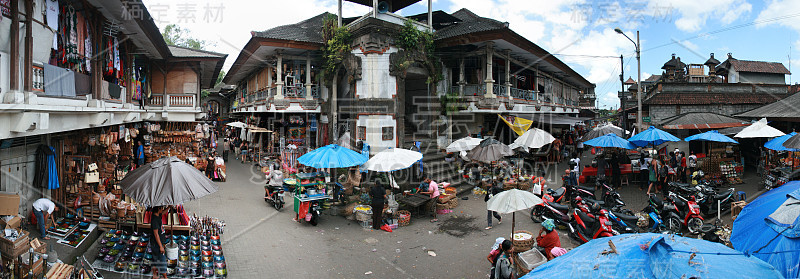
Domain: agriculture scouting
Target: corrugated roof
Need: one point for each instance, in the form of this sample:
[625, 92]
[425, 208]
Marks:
[784, 108]
[309, 30]
[759, 67]
[470, 23]
[178, 51]
[702, 120]
[711, 98]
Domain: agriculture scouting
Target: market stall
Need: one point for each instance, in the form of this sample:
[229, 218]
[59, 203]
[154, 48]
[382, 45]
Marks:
[722, 162]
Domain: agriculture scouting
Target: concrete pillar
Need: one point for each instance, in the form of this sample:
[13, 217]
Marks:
[279, 77]
[340, 13]
[308, 77]
[461, 81]
[374, 8]
[508, 72]
[489, 81]
[430, 16]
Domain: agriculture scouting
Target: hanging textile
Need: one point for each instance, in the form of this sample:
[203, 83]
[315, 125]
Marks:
[116, 55]
[52, 170]
[52, 19]
[41, 177]
[87, 46]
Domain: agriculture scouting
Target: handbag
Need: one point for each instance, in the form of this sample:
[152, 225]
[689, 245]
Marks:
[92, 177]
[92, 167]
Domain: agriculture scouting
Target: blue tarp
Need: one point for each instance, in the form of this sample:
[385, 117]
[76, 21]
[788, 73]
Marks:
[610, 140]
[756, 233]
[332, 156]
[712, 136]
[650, 255]
[652, 136]
[777, 143]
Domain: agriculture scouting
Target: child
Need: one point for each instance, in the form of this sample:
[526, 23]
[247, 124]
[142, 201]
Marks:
[494, 254]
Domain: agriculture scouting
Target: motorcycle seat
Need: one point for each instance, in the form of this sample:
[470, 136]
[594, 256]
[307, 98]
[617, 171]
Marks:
[680, 203]
[681, 185]
[593, 201]
[585, 218]
[656, 200]
[558, 192]
[626, 218]
[722, 195]
[559, 207]
[585, 188]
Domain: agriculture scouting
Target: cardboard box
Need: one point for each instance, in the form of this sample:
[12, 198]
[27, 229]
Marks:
[17, 247]
[9, 204]
[10, 224]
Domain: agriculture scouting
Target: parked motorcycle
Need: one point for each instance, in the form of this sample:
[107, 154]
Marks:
[584, 228]
[663, 215]
[550, 209]
[610, 197]
[314, 209]
[691, 212]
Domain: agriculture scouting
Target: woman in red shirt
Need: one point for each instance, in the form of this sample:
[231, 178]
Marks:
[550, 239]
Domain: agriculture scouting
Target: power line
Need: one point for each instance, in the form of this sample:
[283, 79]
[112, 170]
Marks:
[589, 56]
[727, 29]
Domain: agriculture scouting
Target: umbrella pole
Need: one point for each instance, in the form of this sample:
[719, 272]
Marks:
[513, 224]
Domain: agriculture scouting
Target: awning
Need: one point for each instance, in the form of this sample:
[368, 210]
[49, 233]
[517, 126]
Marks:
[555, 119]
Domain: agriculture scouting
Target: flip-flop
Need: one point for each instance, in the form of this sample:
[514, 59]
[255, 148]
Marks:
[434, 220]
[488, 228]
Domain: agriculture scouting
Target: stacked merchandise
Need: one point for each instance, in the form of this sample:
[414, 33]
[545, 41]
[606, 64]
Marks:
[125, 252]
[174, 139]
[732, 172]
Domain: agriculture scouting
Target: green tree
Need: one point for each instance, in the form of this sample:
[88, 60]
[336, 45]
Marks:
[177, 36]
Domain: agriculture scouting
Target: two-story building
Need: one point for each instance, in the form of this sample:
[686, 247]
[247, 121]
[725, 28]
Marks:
[74, 73]
[387, 92]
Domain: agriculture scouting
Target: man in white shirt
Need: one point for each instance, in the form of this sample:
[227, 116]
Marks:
[43, 210]
[575, 172]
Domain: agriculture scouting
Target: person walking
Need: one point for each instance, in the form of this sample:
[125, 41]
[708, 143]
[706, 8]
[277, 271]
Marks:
[682, 167]
[378, 195]
[575, 165]
[504, 266]
[244, 151]
[43, 211]
[158, 241]
[580, 146]
[653, 179]
[211, 164]
[644, 173]
[494, 190]
[691, 162]
[226, 147]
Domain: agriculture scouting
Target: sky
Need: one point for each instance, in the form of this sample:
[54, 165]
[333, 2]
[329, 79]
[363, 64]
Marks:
[580, 33]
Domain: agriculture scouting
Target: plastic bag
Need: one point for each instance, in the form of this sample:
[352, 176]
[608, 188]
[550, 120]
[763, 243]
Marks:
[386, 227]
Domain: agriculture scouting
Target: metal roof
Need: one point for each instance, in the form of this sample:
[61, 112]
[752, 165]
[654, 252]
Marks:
[702, 120]
[788, 107]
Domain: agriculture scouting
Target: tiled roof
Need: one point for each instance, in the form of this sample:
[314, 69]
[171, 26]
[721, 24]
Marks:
[711, 98]
[758, 67]
[652, 78]
[178, 51]
[786, 107]
[470, 23]
[309, 30]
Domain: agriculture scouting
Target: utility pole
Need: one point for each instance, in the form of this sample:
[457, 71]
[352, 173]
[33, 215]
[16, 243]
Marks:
[622, 97]
[638, 83]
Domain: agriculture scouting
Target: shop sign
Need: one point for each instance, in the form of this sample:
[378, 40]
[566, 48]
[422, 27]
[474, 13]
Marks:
[646, 119]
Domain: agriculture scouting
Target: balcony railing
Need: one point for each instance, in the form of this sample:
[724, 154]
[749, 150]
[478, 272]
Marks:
[315, 91]
[157, 100]
[181, 100]
[250, 98]
[499, 90]
[294, 91]
[261, 96]
[529, 95]
[474, 89]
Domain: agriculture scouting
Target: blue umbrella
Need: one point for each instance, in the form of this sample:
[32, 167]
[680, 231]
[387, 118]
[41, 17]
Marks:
[777, 143]
[610, 140]
[652, 136]
[760, 232]
[332, 156]
[711, 136]
[650, 255]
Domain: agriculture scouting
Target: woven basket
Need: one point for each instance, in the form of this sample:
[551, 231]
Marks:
[442, 206]
[452, 204]
[509, 185]
[523, 245]
[450, 190]
[363, 216]
[525, 185]
[403, 218]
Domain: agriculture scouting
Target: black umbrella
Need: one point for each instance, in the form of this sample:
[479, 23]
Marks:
[489, 150]
[167, 181]
[604, 130]
[793, 142]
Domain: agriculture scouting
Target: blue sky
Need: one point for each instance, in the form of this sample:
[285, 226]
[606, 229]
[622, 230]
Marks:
[582, 30]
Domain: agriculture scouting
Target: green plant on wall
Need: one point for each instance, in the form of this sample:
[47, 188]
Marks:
[337, 44]
[419, 47]
[452, 103]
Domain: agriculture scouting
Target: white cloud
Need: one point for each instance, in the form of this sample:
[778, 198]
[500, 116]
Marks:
[692, 14]
[780, 8]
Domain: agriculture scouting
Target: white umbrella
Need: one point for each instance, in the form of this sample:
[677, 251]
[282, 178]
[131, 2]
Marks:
[759, 129]
[392, 159]
[533, 138]
[463, 144]
[511, 201]
[237, 124]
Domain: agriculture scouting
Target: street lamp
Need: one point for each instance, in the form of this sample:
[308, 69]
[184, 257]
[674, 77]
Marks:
[638, 76]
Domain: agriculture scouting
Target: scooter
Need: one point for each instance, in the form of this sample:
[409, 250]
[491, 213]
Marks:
[611, 197]
[315, 210]
[584, 228]
[707, 199]
[551, 210]
[663, 215]
[274, 195]
[692, 219]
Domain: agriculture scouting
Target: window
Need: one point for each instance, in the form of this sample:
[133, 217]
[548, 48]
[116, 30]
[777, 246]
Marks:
[387, 133]
[361, 133]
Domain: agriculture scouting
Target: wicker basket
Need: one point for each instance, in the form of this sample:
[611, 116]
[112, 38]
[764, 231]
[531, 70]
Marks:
[362, 215]
[442, 206]
[450, 190]
[523, 245]
[509, 185]
[403, 218]
[525, 185]
[452, 204]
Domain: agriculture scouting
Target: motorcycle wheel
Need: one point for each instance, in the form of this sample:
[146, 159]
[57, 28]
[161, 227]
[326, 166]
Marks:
[694, 225]
[314, 218]
[674, 224]
[536, 214]
[278, 203]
